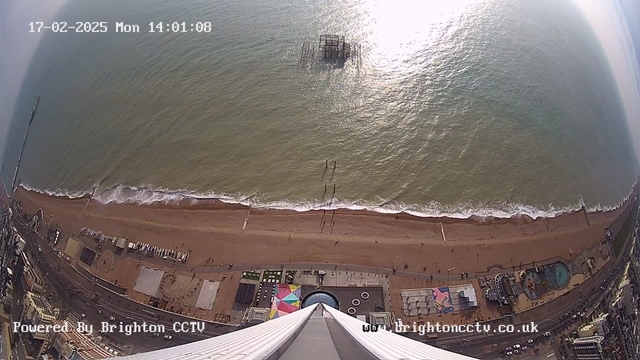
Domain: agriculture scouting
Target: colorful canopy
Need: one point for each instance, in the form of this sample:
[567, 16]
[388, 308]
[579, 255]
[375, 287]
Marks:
[286, 299]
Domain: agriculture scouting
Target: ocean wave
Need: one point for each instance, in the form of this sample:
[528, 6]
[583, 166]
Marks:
[56, 192]
[145, 195]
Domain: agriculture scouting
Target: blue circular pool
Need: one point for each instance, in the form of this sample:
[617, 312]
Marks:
[561, 273]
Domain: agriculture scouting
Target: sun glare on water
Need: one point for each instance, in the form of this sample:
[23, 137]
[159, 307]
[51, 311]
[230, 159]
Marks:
[399, 30]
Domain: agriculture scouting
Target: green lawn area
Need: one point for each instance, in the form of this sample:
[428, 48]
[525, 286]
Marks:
[251, 275]
[623, 235]
[272, 276]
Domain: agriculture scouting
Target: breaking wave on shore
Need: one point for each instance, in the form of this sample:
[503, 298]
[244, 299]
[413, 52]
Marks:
[145, 195]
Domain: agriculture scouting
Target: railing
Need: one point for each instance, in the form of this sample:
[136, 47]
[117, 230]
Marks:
[261, 341]
[387, 345]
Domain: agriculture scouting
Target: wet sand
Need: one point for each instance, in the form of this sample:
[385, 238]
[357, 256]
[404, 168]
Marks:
[212, 229]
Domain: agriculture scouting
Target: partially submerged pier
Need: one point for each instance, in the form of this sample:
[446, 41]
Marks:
[331, 48]
[334, 47]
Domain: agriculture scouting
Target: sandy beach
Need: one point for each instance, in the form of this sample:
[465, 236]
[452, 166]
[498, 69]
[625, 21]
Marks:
[212, 229]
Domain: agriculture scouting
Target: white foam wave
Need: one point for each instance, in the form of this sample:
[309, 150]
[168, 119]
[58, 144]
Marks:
[145, 195]
[56, 192]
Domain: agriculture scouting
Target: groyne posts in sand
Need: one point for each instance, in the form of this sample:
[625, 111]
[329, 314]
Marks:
[246, 220]
[93, 192]
[444, 237]
[332, 221]
[584, 211]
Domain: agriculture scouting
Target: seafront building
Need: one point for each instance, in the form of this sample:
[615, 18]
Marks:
[37, 311]
[9, 240]
[272, 303]
[624, 317]
[30, 278]
[72, 345]
[614, 334]
[588, 348]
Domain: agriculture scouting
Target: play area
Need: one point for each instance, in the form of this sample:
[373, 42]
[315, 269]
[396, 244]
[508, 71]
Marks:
[440, 300]
[546, 278]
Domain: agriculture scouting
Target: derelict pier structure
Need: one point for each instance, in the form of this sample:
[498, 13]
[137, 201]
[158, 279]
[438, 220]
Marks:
[331, 48]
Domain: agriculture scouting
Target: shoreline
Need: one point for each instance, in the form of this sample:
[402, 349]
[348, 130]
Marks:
[185, 199]
[408, 251]
[215, 233]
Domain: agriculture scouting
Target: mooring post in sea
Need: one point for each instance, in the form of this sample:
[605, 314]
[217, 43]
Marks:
[335, 163]
[325, 188]
[326, 164]
[334, 189]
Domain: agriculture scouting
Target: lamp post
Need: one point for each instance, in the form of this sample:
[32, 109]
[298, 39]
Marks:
[448, 271]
